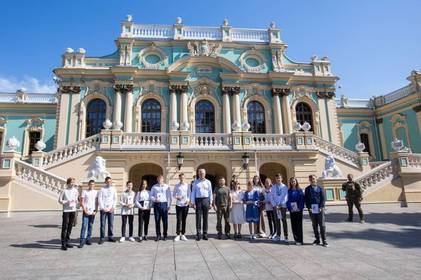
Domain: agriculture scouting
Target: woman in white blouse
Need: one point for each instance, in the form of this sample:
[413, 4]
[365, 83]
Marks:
[143, 202]
[127, 211]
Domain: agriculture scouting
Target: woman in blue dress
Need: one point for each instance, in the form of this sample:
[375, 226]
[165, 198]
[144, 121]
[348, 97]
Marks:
[251, 200]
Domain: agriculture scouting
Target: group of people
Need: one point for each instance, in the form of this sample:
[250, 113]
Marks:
[231, 204]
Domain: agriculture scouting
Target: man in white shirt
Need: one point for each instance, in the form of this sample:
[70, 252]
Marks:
[201, 199]
[107, 202]
[279, 197]
[182, 195]
[161, 198]
[89, 204]
[68, 198]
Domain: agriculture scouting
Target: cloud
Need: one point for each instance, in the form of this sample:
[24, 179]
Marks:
[31, 84]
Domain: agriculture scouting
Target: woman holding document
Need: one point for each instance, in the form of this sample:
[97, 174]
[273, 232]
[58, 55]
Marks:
[143, 202]
[295, 205]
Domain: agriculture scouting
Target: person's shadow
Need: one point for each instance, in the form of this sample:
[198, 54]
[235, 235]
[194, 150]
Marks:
[49, 244]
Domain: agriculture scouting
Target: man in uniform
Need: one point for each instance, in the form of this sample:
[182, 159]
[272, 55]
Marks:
[221, 204]
[353, 197]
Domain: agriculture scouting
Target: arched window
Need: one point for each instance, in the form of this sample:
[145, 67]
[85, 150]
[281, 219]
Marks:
[95, 115]
[304, 114]
[256, 117]
[34, 137]
[365, 140]
[151, 116]
[205, 117]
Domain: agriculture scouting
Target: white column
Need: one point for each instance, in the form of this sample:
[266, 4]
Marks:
[173, 108]
[237, 108]
[183, 109]
[287, 117]
[227, 111]
[128, 112]
[277, 114]
[117, 106]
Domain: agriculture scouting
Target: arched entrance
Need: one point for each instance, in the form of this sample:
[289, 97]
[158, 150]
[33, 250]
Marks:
[144, 171]
[213, 171]
[270, 169]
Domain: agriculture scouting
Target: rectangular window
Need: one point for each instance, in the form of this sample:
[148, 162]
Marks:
[34, 137]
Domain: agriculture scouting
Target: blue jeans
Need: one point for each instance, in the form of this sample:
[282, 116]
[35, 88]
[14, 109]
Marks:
[110, 218]
[87, 222]
[161, 213]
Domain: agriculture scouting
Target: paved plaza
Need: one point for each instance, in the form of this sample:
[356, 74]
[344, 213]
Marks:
[387, 246]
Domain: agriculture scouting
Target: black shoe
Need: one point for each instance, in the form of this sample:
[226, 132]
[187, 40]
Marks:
[81, 245]
[325, 244]
[69, 245]
[197, 237]
[101, 241]
[63, 247]
[88, 242]
[316, 242]
[145, 238]
[228, 236]
[240, 236]
[158, 238]
[111, 240]
[219, 236]
[164, 239]
[205, 237]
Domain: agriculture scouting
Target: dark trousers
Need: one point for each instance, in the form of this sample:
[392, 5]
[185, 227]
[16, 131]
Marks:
[297, 225]
[181, 212]
[202, 210]
[271, 221]
[351, 202]
[144, 216]
[222, 212]
[124, 219]
[318, 221]
[109, 218]
[87, 224]
[161, 213]
[284, 222]
[68, 220]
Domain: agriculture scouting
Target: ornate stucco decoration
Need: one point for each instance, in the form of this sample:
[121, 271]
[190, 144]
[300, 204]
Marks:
[329, 94]
[70, 89]
[123, 88]
[204, 86]
[151, 86]
[301, 91]
[98, 86]
[254, 55]
[153, 50]
[253, 90]
[277, 60]
[3, 121]
[204, 48]
[34, 124]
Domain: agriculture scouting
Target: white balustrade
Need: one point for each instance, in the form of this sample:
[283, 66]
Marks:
[211, 141]
[398, 94]
[272, 141]
[39, 177]
[145, 140]
[337, 151]
[71, 151]
[414, 160]
[376, 175]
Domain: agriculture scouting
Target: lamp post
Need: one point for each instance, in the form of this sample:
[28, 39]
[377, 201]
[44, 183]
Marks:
[180, 160]
[246, 160]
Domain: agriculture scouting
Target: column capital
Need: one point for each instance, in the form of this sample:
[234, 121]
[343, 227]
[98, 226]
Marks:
[69, 89]
[417, 108]
[230, 89]
[178, 88]
[280, 91]
[123, 88]
[326, 94]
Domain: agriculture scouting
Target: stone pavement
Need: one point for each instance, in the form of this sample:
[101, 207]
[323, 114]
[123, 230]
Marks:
[388, 246]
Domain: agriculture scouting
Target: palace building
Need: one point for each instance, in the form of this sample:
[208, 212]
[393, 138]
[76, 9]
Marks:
[174, 98]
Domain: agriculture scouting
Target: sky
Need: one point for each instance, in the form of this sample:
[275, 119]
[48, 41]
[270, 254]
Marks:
[373, 45]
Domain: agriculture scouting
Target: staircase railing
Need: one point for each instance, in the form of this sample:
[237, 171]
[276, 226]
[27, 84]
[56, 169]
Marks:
[71, 151]
[37, 176]
[336, 150]
[375, 175]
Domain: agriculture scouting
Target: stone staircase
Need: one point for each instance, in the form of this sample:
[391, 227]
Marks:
[338, 152]
[376, 177]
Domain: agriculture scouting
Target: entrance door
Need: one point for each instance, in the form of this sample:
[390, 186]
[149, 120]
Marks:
[144, 171]
[269, 170]
[213, 172]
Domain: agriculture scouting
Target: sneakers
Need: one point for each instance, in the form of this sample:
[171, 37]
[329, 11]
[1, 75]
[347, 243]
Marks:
[276, 238]
[101, 241]
[253, 237]
[140, 238]
[325, 244]
[81, 245]
[228, 236]
[299, 243]
[362, 221]
[183, 238]
[262, 235]
[286, 240]
[316, 242]
[88, 242]
[145, 238]
[122, 239]
[131, 239]
[111, 240]
[177, 238]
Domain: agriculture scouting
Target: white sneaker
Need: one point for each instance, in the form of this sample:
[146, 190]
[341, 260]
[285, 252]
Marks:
[177, 238]
[254, 237]
[184, 238]
[251, 236]
[131, 239]
[140, 238]
[263, 235]
[122, 239]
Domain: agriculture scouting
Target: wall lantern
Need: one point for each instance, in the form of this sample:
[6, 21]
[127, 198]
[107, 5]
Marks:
[246, 160]
[180, 160]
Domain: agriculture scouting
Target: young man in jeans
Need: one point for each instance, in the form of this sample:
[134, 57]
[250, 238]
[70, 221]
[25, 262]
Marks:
[315, 203]
[221, 204]
[107, 201]
[89, 204]
[182, 196]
